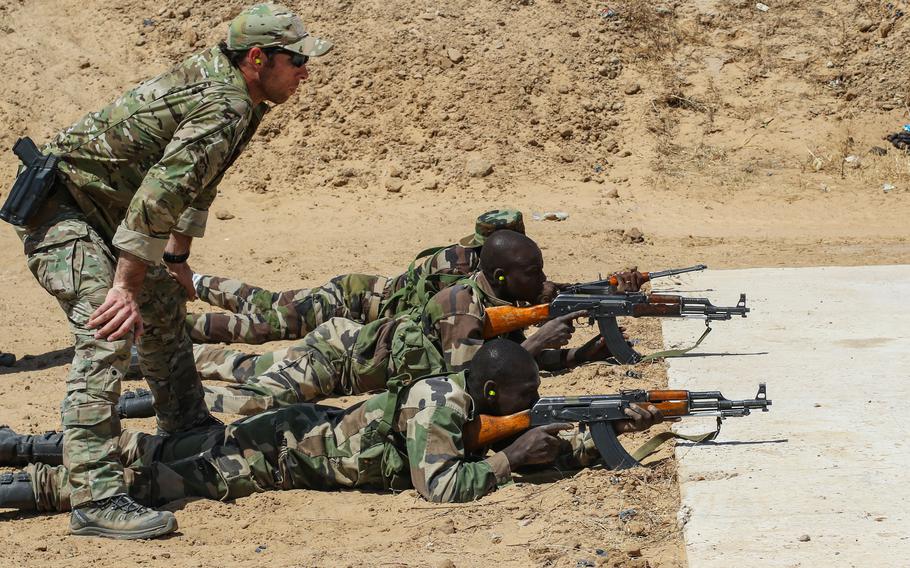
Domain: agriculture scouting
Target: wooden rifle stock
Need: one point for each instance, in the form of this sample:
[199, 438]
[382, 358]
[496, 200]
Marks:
[504, 319]
[486, 430]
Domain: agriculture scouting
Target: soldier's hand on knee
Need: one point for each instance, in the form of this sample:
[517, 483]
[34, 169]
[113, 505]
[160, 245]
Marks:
[117, 316]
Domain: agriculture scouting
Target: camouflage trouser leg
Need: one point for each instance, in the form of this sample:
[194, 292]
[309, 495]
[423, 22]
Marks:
[229, 365]
[74, 265]
[261, 315]
[317, 366]
[166, 354]
[258, 315]
[162, 469]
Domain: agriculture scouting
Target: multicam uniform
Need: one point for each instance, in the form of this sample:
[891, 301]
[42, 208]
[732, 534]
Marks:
[338, 357]
[132, 173]
[307, 446]
[453, 320]
[260, 315]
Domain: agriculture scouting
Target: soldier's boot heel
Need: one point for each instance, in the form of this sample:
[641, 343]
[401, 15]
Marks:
[16, 491]
[138, 404]
[21, 449]
[122, 518]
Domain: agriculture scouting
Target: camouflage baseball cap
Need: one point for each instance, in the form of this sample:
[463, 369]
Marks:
[492, 221]
[271, 25]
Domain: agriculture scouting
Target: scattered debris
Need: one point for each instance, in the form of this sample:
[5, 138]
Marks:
[223, 214]
[627, 515]
[550, 216]
[633, 551]
[762, 7]
[633, 236]
[878, 151]
[887, 187]
[479, 168]
[804, 538]
[393, 185]
[260, 548]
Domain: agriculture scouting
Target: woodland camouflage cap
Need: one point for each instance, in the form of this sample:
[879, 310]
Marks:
[271, 25]
[492, 221]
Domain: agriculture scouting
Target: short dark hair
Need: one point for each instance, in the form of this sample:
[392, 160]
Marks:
[502, 249]
[497, 360]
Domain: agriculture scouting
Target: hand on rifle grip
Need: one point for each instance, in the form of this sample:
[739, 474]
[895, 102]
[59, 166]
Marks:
[558, 331]
[537, 446]
[640, 418]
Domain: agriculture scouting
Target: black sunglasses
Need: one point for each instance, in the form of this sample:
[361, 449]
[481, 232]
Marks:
[297, 59]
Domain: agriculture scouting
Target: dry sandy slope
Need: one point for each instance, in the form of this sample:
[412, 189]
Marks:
[730, 152]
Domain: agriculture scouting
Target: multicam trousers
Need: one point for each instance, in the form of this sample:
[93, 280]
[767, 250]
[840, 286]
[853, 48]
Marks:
[74, 264]
[260, 315]
[338, 357]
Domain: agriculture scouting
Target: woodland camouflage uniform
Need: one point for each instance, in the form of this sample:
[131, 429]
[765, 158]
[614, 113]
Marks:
[132, 173]
[259, 315]
[453, 320]
[339, 357]
[308, 446]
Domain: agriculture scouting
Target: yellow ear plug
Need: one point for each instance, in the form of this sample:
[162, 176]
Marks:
[502, 278]
[492, 393]
[258, 61]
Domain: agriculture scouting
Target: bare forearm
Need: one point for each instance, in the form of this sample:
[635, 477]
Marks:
[130, 273]
[178, 244]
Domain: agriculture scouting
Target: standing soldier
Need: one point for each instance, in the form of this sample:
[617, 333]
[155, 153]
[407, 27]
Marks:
[132, 187]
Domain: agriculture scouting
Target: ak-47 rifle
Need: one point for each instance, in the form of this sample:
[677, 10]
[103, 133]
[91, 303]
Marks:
[603, 305]
[597, 412]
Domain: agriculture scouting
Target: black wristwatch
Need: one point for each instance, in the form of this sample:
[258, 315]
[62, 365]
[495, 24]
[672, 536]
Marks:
[175, 258]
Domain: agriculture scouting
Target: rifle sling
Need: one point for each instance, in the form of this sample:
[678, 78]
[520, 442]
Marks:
[668, 353]
[657, 441]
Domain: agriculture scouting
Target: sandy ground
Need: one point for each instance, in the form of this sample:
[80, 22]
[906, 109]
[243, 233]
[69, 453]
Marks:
[723, 134]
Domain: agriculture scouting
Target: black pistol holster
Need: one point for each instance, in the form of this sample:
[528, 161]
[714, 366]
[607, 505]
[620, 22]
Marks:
[32, 184]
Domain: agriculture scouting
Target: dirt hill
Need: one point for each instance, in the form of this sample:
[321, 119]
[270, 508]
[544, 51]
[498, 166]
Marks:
[670, 133]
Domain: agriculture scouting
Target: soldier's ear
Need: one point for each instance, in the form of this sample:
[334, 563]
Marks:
[490, 392]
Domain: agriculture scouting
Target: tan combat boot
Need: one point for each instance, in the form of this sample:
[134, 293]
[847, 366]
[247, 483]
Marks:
[122, 518]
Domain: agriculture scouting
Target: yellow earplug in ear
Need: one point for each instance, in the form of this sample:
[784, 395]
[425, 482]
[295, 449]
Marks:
[502, 278]
[492, 393]
[258, 61]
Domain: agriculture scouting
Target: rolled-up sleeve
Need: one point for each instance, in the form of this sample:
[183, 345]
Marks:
[192, 222]
[192, 161]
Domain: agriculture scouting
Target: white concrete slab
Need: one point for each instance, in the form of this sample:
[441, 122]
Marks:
[831, 459]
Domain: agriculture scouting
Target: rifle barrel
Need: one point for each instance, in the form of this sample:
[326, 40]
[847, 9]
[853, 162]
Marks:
[675, 271]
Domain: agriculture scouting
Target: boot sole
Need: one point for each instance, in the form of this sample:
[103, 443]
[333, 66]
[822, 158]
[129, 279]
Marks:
[169, 527]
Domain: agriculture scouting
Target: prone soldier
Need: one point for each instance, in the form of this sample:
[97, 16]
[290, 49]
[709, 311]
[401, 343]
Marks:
[343, 357]
[259, 315]
[412, 436]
